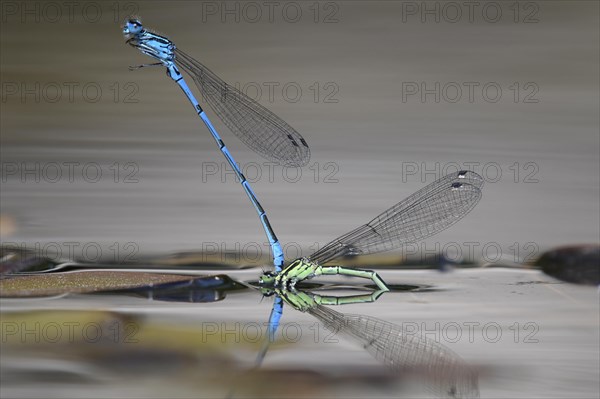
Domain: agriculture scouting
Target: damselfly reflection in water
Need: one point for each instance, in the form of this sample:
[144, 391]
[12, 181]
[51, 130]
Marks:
[443, 372]
[259, 128]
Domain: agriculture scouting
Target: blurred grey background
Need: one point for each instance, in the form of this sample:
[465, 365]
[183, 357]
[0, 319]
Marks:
[94, 155]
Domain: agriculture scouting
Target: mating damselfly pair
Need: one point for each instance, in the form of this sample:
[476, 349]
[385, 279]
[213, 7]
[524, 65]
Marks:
[430, 210]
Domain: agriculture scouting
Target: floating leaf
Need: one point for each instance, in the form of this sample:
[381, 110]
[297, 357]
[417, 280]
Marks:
[84, 282]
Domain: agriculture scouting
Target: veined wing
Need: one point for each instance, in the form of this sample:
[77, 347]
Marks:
[447, 374]
[430, 210]
[260, 129]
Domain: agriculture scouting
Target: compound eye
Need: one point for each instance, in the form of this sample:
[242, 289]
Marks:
[134, 24]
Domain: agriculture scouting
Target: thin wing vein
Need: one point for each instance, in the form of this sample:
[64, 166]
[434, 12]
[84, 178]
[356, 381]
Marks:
[430, 210]
[259, 128]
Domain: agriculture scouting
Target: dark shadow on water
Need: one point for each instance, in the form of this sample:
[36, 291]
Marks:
[198, 290]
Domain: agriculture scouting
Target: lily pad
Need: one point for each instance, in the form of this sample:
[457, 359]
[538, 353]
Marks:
[84, 282]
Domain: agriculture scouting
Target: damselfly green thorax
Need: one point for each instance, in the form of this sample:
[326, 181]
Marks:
[303, 269]
[430, 210]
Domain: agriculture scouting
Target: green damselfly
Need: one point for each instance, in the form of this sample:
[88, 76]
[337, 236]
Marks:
[430, 210]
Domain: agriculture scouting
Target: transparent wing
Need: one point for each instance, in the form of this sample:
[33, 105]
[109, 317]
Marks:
[446, 373]
[430, 210]
[260, 129]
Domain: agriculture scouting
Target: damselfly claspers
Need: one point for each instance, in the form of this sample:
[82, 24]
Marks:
[259, 128]
[430, 210]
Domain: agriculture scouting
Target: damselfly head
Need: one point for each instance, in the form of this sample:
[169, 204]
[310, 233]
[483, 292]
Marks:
[267, 279]
[132, 26]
